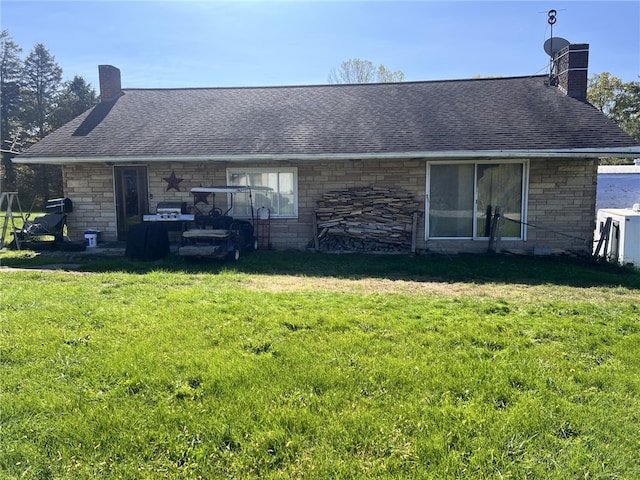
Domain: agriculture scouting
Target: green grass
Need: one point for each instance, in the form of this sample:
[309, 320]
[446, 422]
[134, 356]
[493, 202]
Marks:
[320, 366]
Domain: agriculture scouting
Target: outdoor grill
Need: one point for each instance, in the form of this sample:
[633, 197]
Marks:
[170, 212]
[59, 205]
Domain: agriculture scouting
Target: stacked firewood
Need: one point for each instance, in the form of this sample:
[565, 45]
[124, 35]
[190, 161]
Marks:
[371, 218]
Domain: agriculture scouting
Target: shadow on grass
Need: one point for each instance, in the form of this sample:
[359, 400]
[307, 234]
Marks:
[559, 270]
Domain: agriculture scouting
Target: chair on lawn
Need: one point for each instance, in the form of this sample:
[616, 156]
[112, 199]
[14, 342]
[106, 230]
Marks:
[45, 226]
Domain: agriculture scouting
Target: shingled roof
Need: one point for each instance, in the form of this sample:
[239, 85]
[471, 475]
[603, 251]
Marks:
[458, 117]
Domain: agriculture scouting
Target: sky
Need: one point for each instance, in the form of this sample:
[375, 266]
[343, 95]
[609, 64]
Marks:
[181, 44]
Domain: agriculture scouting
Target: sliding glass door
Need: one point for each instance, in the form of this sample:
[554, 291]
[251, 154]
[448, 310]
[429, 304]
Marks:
[499, 185]
[451, 201]
[462, 197]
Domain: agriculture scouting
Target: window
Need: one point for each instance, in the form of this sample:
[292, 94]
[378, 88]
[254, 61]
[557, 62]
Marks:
[282, 200]
[462, 195]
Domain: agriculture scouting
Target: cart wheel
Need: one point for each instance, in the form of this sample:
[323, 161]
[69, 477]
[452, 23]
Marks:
[255, 244]
[235, 255]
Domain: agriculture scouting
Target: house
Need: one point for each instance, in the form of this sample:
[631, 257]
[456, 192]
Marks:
[529, 145]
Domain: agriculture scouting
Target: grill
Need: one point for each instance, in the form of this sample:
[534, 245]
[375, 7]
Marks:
[170, 212]
[59, 205]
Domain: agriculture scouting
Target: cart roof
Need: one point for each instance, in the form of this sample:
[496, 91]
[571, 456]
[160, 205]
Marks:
[229, 189]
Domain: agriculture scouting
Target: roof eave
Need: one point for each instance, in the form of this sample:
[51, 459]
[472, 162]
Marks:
[617, 152]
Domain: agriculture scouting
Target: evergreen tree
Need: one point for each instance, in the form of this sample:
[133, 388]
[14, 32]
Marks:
[10, 74]
[42, 77]
[41, 80]
[76, 97]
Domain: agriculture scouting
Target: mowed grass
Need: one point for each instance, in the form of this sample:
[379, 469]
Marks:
[316, 366]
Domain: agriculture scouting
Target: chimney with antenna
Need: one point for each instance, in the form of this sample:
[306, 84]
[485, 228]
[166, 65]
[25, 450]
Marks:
[110, 83]
[571, 67]
[568, 63]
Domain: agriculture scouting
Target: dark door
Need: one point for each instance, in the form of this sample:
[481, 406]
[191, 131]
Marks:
[131, 197]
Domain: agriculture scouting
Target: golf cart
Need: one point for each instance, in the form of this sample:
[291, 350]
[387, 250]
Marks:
[217, 234]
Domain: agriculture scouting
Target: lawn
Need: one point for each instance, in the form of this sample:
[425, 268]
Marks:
[291, 365]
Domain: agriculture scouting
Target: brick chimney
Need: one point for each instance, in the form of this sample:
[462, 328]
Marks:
[110, 86]
[571, 65]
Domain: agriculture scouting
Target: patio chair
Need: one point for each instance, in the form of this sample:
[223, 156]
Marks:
[48, 225]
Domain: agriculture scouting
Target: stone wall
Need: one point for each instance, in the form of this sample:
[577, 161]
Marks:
[90, 188]
[561, 198]
[562, 204]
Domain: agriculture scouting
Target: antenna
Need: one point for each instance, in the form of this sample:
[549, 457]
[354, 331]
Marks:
[553, 45]
[14, 142]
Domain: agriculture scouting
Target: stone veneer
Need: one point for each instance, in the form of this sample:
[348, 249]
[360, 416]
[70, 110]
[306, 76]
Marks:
[561, 198]
[562, 203]
[90, 188]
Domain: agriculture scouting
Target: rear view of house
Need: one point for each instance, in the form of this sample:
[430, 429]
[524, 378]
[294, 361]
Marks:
[458, 151]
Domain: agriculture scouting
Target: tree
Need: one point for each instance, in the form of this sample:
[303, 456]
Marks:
[10, 73]
[42, 77]
[387, 76]
[618, 100]
[76, 97]
[363, 71]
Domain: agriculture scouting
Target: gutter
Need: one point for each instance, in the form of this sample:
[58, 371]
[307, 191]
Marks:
[619, 152]
[619, 169]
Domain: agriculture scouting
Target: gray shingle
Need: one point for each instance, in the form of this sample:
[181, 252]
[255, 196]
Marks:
[519, 113]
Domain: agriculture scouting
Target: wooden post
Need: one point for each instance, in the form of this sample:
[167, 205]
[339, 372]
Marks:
[414, 232]
[487, 224]
[499, 235]
[494, 227]
[316, 242]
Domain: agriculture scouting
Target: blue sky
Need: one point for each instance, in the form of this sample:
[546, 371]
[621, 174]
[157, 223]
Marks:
[162, 44]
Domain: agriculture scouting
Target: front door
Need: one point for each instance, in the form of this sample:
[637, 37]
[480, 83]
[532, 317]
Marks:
[131, 197]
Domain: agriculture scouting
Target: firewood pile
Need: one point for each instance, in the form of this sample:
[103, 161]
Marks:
[366, 219]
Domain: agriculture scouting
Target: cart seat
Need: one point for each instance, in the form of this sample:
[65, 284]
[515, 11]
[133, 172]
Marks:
[206, 233]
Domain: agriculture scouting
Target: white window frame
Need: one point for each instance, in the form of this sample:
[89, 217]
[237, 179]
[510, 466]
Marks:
[475, 236]
[255, 170]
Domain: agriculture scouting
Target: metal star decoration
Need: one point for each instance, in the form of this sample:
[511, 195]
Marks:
[201, 197]
[173, 181]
